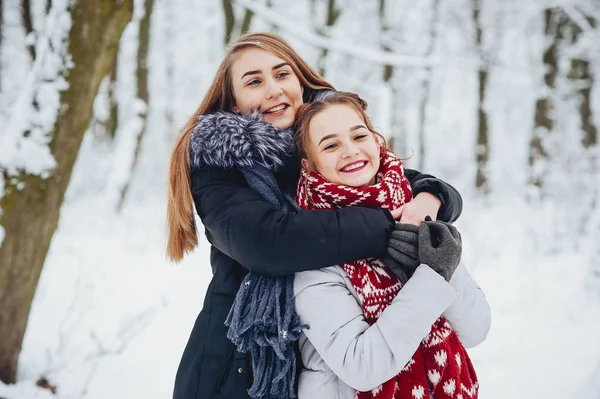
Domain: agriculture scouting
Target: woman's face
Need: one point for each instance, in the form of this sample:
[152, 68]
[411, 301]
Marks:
[341, 148]
[265, 82]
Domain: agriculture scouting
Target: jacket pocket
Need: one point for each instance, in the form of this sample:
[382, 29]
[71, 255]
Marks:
[236, 377]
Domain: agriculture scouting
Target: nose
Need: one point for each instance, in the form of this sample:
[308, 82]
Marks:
[350, 150]
[274, 89]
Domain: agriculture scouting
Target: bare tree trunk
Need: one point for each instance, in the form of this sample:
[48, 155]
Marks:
[544, 106]
[1, 33]
[388, 74]
[27, 24]
[247, 21]
[425, 85]
[229, 21]
[142, 89]
[582, 72]
[30, 213]
[582, 76]
[333, 14]
[590, 137]
[170, 62]
[482, 149]
[106, 128]
[233, 28]
[113, 105]
[388, 70]
[272, 28]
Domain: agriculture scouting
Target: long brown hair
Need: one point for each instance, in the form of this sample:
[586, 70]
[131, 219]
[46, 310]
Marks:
[180, 209]
[308, 111]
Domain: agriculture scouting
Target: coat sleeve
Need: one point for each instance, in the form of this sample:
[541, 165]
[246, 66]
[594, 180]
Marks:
[469, 314]
[362, 355]
[451, 200]
[268, 241]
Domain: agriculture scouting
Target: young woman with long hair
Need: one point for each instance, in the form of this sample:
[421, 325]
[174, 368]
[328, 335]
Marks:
[235, 163]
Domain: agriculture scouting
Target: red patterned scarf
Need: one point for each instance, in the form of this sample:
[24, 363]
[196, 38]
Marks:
[441, 365]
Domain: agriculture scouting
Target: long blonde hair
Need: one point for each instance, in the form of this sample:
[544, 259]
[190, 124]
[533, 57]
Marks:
[183, 236]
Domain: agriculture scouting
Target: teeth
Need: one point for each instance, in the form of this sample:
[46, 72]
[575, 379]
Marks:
[354, 166]
[275, 109]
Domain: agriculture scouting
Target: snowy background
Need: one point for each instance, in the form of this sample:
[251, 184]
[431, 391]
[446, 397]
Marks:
[111, 315]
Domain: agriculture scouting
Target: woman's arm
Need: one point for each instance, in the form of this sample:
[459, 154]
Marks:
[245, 227]
[366, 356]
[469, 315]
[451, 201]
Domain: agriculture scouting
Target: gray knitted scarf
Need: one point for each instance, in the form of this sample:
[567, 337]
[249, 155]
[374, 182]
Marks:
[262, 320]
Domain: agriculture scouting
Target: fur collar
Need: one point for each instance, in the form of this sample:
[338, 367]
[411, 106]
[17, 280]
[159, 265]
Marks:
[227, 140]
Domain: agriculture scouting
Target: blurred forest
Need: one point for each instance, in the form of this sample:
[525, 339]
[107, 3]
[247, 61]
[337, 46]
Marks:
[499, 97]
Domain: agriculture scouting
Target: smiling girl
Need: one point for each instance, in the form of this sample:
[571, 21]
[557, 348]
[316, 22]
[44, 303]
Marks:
[374, 333]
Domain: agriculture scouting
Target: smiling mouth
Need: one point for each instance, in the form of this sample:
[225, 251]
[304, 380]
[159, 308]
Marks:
[354, 167]
[277, 109]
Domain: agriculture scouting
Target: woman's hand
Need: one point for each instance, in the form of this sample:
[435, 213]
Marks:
[415, 211]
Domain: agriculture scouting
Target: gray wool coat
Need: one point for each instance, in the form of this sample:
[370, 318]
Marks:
[342, 353]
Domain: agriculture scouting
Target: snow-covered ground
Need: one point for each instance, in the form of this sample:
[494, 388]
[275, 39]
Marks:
[111, 315]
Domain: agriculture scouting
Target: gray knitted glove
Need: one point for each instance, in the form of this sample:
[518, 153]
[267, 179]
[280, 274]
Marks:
[403, 245]
[440, 247]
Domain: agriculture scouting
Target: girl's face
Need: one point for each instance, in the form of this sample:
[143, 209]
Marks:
[265, 82]
[341, 148]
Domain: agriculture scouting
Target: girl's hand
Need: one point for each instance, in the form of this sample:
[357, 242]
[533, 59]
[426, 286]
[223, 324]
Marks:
[403, 245]
[440, 247]
[414, 212]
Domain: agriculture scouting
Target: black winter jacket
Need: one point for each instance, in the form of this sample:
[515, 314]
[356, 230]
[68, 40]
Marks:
[247, 233]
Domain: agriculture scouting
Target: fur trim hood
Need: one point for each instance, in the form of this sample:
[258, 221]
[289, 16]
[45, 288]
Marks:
[227, 140]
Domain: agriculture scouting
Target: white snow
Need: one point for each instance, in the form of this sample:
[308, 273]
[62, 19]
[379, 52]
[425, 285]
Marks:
[111, 315]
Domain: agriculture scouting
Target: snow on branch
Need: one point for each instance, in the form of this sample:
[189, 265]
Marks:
[577, 17]
[25, 139]
[368, 54]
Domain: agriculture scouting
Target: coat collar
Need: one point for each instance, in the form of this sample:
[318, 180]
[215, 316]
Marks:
[227, 140]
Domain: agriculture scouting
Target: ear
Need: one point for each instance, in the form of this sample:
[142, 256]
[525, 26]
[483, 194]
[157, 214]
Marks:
[308, 165]
[235, 109]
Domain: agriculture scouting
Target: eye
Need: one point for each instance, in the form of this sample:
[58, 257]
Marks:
[360, 137]
[282, 75]
[253, 82]
[329, 147]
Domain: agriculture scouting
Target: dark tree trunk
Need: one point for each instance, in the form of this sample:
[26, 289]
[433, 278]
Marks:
[581, 72]
[229, 20]
[590, 131]
[544, 107]
[30, 214]
[247, 21]
[113, 105]
[142, 89]
[27, 24]
[388, 70]
[333, 14]
[425, 85]
[388, 74]
[1, 33]
[482, 149]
